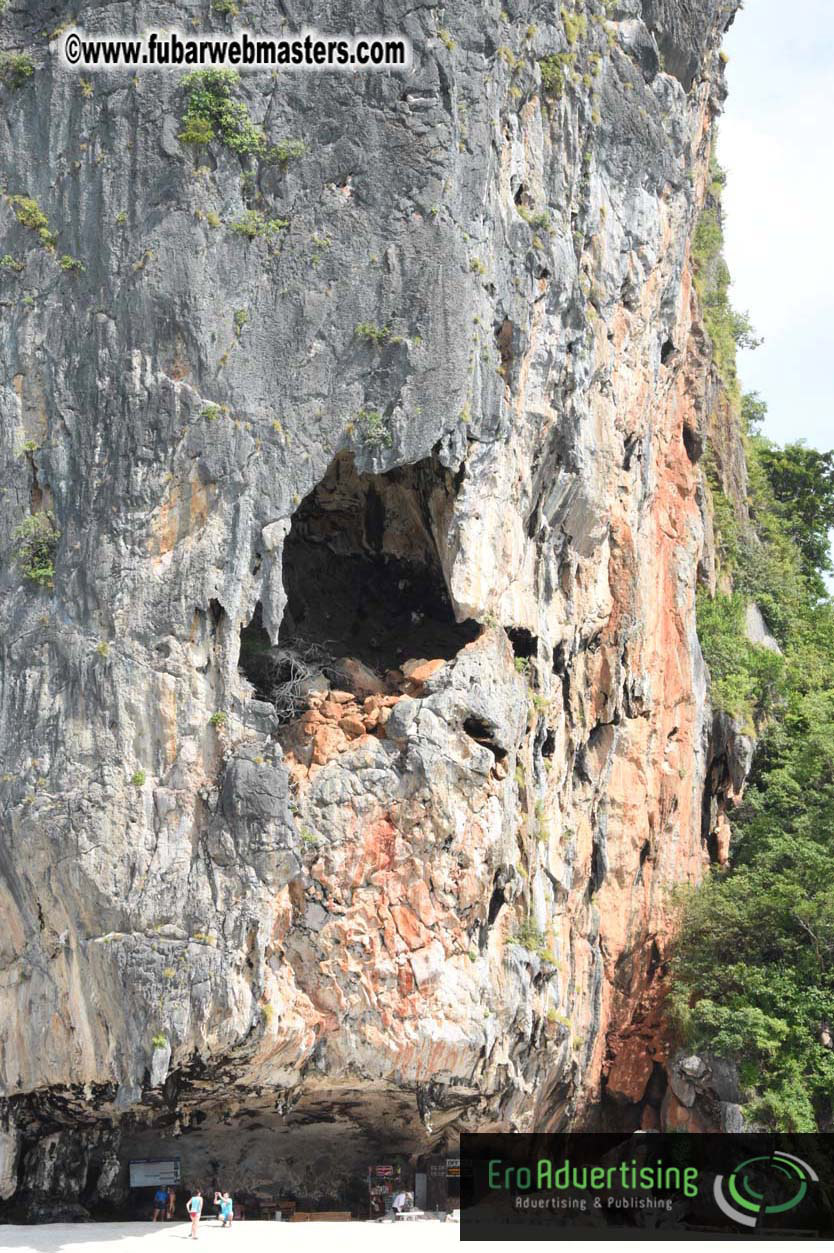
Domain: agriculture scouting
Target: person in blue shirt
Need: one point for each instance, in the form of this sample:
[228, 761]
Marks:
[227, 1210]
[160, 1203]
[195, 1209]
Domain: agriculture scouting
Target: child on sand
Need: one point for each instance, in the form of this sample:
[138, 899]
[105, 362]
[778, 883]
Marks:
[195, 1209]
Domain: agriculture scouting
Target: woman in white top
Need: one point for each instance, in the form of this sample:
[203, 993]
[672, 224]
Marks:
[195, 1209]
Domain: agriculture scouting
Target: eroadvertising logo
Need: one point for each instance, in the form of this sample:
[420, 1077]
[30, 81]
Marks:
[647, 1186]
[737, 1196]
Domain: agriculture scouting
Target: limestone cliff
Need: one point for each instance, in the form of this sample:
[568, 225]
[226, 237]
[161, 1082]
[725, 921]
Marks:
[354, 745]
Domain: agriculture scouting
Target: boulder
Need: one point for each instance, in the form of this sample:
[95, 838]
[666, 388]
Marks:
[732, 1119]
[684, 1091]
[424, 671]
[694, 1067]
[329, 741]
[361, 680]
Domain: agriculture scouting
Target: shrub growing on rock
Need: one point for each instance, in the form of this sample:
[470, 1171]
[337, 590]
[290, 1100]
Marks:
[15, 68]
[254, 225]
[29, 214]
[37, 541]
[214, 113]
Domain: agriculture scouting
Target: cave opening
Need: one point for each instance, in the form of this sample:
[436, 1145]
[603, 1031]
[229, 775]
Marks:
[599, 865]
[654, 962]
[364, 584]
[300, 1154]
[524, 643]
[630, 445]
[482, 733]
[504, 332]
[256, 658]
[693, 444]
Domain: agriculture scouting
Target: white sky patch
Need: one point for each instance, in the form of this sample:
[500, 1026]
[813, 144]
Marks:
[776, 141]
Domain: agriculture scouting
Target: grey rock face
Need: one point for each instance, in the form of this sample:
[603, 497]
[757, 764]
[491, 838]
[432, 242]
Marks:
[756, 629]
[681, 34]
[732, 1118]
[422, 911]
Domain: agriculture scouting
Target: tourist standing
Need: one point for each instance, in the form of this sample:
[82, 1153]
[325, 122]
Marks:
[195, 1209]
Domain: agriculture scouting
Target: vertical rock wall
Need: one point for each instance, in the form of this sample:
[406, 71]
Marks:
[442, 889]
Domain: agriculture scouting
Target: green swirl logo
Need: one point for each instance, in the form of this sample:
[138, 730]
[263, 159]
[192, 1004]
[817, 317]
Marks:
[739, 1195]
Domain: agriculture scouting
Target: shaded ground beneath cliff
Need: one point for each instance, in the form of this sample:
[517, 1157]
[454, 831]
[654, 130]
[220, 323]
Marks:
[249, 1236]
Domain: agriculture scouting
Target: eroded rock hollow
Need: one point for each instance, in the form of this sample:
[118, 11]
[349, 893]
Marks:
[357, 739]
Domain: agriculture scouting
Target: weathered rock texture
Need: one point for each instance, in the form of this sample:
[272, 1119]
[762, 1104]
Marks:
[441, 895]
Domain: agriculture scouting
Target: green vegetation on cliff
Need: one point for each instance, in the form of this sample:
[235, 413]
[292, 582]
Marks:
[728, 328]
[36, 541]
[755, 964]
[754, 971]
[15, 68]
[213, 112]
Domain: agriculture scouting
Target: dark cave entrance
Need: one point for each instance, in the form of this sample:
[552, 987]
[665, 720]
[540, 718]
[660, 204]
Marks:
[363, 579]
[303, 1152]
[256, 656]
[524, 644]
[362, 571]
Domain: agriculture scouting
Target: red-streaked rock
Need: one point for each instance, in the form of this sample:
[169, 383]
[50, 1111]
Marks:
[630, 1072]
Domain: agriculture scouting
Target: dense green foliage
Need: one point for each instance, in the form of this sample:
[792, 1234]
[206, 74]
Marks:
[36, 540]
[213, 112]
[802, 481]
[15, 68]
[553, 68]
[754, 969]
[765, 565]
[746, 679]
[755, 963]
